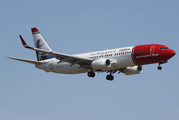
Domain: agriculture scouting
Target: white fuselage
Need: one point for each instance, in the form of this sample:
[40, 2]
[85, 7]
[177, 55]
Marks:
[121, 57]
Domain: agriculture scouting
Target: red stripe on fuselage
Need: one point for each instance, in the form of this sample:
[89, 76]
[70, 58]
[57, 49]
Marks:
[152, 53]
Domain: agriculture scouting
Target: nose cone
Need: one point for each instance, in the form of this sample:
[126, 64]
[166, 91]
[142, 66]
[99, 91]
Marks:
[171, 53]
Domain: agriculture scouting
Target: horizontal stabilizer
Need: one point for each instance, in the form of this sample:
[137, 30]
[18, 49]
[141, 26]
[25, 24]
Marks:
[28, 61]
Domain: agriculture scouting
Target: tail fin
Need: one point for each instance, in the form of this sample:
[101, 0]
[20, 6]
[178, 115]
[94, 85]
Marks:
[39, 42]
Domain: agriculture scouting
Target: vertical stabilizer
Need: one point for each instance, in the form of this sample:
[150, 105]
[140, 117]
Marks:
[39, 42]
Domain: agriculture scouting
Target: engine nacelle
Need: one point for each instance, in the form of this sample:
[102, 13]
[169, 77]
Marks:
[101, 64]
[132, 70]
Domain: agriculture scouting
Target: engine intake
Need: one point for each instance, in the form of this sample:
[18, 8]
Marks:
[133, 70]
[101, 64]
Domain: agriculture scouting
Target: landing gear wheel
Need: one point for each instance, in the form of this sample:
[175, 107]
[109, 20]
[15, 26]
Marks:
[110, 77]
[91, 74]
[159, 67]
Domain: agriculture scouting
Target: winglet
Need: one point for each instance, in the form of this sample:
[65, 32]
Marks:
[23, 42]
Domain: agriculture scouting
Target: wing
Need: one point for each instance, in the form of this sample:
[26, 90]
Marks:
[83, 62]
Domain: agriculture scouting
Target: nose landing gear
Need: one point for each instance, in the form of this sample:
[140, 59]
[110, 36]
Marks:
[159, 67]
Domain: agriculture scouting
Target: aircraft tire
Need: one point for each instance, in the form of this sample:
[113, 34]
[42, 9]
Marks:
[110, 77]
[91, 74]
[159, 68]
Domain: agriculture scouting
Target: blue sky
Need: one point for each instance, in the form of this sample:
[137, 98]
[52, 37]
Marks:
[79, 26]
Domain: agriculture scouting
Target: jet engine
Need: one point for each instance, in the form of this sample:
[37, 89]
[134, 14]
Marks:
[101, 64]
[132, 70]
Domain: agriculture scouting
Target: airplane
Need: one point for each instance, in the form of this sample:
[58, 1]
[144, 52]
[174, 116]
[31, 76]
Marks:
[127, 60]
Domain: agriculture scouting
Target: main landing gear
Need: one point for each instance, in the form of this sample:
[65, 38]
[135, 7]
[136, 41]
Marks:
[91, 74]
[110, 77]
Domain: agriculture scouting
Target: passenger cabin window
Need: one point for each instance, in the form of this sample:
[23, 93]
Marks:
[138, 51]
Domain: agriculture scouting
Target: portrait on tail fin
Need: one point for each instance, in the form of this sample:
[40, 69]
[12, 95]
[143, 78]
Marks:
[40, 55]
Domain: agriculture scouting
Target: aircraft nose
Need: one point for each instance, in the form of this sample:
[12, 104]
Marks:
[172, 53]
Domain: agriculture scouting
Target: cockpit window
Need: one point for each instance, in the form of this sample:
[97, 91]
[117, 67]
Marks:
[164, 48]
